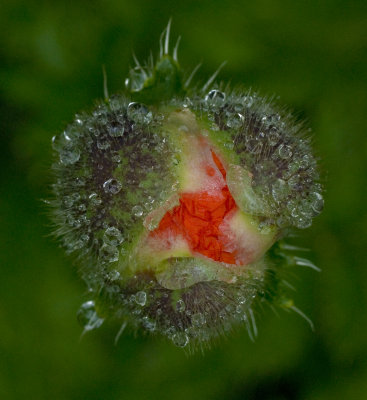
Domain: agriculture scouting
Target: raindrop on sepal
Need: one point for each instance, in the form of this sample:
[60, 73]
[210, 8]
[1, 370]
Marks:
[180, 339]
[139, 113]
[215, 98]
[87, 316]
[141, 298]
[112, 186]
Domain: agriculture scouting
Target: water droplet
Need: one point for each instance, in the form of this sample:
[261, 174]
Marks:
[235, 120]
[137, 211]
[79, 182]
[317, 202]
[100, 114]
[198, 319]
[113, 236]
[273, 136]
[264, 228]
[60, 141]
[94, 199]
[215, 98]
[79, 244]
[270, 119]
[149, 203]
[280, 190]
[248, 101]
[69, 154]
[136, 79]
[295, 182]
[116, 158]
[305, 161]
[103, 144]
[148, 323]
[303, 222]
[74, 222]
[109, 253]
[180, 339]
[254, 146]
[141, 298]
[112, 186]
[116, 131]
[139, 113]
[87, 316]
[113, 275]
[78, 120]
[114, 103]
[70, 200]
[180, 305]
[295, 212]
[285, 151]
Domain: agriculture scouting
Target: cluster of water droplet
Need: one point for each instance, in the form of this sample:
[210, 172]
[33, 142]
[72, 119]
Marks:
[111, 171]
[190, 316]
[273, 148]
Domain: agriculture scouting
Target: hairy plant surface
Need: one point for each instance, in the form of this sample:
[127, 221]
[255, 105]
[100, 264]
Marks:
[176, 199]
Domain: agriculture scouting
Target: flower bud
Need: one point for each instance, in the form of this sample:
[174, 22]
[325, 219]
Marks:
[174, 201]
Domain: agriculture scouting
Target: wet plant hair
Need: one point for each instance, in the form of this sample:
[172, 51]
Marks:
[129, 175]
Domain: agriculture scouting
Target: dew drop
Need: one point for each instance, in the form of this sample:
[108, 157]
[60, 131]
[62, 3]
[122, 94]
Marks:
[270, 119]
[78, 120]
[113, 236]
[198, 319]
[141, 298]
[137, 211]
[180, 339]
[215, 98]
[295, 182]
[280, 190]
[103, 144]
[254, 146]
[79, 244]
[148, 324]
[235, 120]
[87, 316]
[149, 203]
[116, 158]
[70, 200]
[180, 305]
[136, 79]
[285, 151]
[139, 113]
[317, 202]
[273, 136]
[69, 154]
[113, 275]
[79, 182]
[249, 101]
[116, 131]
[303, 222]
[82, 207]
[112, 186]
[109, 253]
[94, 199]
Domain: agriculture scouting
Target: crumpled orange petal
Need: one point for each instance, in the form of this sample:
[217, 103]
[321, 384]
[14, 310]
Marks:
[197, 218]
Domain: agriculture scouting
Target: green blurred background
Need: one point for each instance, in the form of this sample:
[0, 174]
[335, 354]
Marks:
[310, 53]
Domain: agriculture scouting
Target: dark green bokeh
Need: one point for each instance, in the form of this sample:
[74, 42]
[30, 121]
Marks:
[310, 53]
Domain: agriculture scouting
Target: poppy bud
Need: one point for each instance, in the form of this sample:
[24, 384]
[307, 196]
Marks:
[175, 201]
